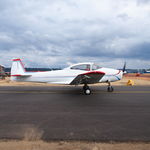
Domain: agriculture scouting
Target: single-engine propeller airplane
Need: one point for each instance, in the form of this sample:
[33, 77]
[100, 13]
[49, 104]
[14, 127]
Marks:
[81, 73]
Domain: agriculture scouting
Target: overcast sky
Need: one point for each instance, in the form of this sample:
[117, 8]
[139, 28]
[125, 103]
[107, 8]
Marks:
[56, 33]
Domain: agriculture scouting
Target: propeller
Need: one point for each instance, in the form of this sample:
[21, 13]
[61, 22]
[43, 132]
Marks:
[124, 67]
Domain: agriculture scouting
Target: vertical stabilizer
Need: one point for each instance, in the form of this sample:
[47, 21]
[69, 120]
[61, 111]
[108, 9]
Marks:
[17, 68]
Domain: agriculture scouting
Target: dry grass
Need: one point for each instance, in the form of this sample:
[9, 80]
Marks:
[8, 82]
[41, 145]
[139, 81]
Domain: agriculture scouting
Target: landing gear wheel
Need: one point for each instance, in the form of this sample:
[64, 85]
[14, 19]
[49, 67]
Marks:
[110, 89]
[87, 91]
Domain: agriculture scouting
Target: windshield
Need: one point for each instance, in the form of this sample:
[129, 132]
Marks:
[95, 67]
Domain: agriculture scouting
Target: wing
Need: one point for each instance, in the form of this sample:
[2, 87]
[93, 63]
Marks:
[88, 78]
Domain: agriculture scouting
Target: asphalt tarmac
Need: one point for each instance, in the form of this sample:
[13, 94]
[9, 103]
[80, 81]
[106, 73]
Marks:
[65, 113]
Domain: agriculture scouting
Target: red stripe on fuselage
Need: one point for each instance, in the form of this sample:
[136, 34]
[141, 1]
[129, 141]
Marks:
[118, 72]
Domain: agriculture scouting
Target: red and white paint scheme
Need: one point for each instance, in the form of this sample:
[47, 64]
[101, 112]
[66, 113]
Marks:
[81, 73]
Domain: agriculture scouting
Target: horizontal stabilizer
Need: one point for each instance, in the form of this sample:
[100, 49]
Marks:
[21, 75]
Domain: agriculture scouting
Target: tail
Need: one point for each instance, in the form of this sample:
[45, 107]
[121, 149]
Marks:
[17, 68]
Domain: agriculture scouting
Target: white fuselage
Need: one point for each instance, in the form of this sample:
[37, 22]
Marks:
[66, 76]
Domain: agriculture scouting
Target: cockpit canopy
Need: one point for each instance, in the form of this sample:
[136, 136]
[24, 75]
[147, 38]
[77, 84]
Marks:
[86, 67]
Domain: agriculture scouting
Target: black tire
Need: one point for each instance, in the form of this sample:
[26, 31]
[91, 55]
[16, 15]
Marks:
[87, 91]
[110, 89]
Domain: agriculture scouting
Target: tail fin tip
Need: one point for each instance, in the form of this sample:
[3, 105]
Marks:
[16, 59]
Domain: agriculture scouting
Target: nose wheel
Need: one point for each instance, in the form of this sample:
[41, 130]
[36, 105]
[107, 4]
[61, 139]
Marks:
[86, 90]
[110, 88]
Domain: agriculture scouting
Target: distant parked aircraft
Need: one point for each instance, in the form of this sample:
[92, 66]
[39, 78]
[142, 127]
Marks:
[81, 73]
[148, 71]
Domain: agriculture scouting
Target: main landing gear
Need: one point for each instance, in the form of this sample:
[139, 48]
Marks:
[86, 89]
[110, 88]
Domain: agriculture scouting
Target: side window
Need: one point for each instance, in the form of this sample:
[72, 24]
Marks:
[82, 67]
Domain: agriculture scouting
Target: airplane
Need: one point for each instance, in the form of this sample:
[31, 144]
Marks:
[81, 73]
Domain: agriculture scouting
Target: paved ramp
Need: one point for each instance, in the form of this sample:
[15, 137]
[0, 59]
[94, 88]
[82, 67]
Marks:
[64, 113]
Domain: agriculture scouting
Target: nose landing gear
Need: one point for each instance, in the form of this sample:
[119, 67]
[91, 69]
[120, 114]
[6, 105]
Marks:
[110, 88]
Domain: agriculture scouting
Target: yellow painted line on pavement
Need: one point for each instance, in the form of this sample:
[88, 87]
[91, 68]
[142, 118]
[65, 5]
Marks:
[67, 92]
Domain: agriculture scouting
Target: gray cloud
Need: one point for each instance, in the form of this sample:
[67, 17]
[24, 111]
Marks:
[57, 32]
[143, 1]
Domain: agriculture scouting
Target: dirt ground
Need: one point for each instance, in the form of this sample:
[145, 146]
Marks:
[138, 81]
[40, 145]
